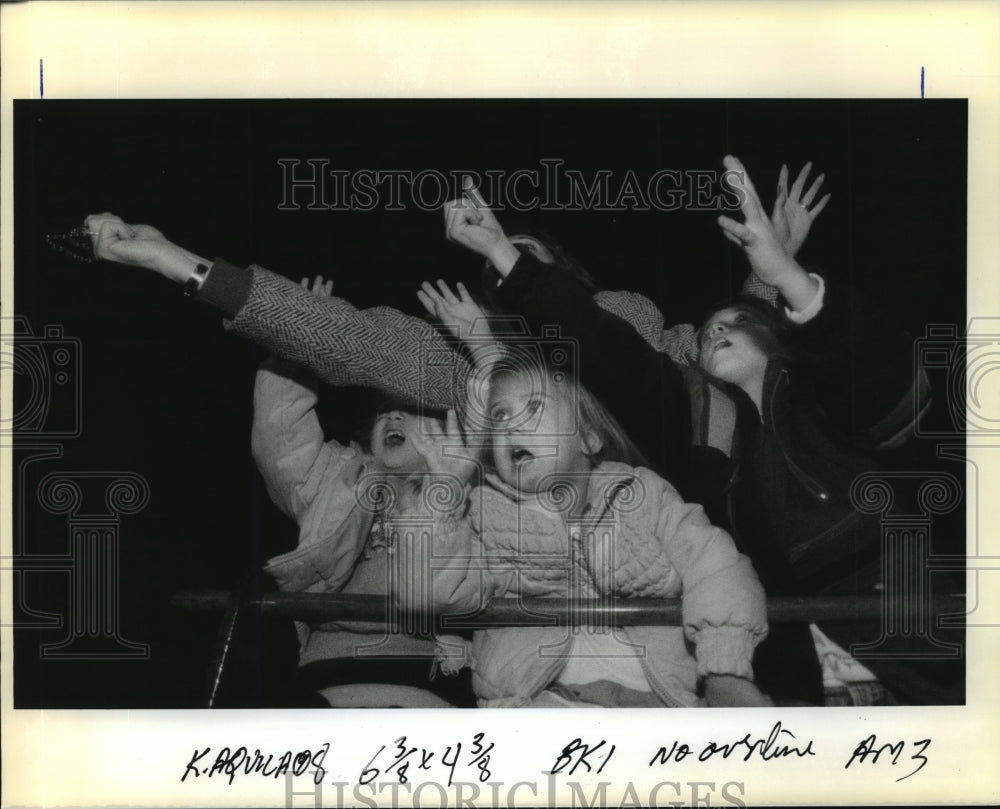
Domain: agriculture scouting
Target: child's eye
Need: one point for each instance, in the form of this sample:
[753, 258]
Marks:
[740, 318]
[499, 414]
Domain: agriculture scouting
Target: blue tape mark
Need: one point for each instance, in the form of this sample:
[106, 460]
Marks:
[41, 78]
[921, 81]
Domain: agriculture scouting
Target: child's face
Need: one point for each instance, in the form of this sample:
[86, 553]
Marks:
[536, 436]
[391, 444]
[728, 348]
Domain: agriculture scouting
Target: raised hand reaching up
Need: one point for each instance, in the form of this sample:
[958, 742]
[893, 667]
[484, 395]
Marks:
[470, 223]
[463, 317]
[762, 245]
[457, 312]
[318, 286]
[446, 451]
[794, 213]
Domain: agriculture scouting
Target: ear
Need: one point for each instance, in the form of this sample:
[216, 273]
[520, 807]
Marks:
[590, 442]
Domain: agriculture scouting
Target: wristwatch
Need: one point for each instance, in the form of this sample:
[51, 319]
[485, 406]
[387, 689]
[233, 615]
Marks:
[195, 280]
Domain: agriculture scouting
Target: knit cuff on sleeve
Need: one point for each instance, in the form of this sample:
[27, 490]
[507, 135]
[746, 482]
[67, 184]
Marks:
[226, 287]
[725, 650]
[810, 311]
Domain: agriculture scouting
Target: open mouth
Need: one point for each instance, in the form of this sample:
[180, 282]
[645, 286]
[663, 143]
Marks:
[520, 455]
[721, 343]
[394, 438]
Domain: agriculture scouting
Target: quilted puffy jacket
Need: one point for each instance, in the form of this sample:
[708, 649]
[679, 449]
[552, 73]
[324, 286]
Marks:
[322, 485]
[636, 538]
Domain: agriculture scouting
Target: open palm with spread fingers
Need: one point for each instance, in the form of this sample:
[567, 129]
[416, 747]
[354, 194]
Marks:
[444, 447]
[457, 310]
[761, 243]
[794, 212]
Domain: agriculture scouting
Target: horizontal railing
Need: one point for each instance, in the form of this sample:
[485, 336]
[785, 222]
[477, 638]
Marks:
[310, 607]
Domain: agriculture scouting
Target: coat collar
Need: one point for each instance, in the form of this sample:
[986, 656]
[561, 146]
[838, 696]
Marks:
[602, 483]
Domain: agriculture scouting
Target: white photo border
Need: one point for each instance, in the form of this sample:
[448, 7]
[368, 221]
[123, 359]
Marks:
[389, 50]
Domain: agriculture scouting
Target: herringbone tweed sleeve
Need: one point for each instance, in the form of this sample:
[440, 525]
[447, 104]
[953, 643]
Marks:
[378, 347]
[756, 288]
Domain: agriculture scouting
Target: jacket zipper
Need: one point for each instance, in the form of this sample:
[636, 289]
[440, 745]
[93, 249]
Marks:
[810, 483]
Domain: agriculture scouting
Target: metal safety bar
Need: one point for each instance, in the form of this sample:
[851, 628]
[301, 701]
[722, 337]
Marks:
[525, 612]
[553, 611]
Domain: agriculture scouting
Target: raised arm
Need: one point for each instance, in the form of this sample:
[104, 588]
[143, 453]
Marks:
[768, 254]
[862, 363]
[378, 347]
[642, 388]
[286, 438]
[792, 217]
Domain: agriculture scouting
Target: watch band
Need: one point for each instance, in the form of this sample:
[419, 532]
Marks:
[195, 280]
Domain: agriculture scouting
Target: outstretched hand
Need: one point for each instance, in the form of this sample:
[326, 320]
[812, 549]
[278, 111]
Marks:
[761, 243]
[444, 447]
[318, 286]
[457, 313]
[470, 222]
[139, 246]
[792, 215]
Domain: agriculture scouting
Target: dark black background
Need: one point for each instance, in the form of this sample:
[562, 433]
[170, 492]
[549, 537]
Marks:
[166, 394]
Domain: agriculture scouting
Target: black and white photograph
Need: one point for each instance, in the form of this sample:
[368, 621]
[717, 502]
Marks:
[320, 407]
[232, 461]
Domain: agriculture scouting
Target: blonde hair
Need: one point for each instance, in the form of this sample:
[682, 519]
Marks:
[592, 416]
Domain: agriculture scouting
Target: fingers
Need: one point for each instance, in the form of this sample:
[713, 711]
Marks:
[778, 215]
[734, 231]
[438, 300]
[147, 232]
[446, 292]
[734, 239]
[424, 446]
[469, 189]
[800, 182]
[109, 232]
[466, 205]
[740, 182]
[428, 291]
[317, 286]
[472, 194]
[813, 190]
[453, 427]
[458, 215]
[818, 209]
[427, 302]
[430, 428]
[782, 195]
[95, 220]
